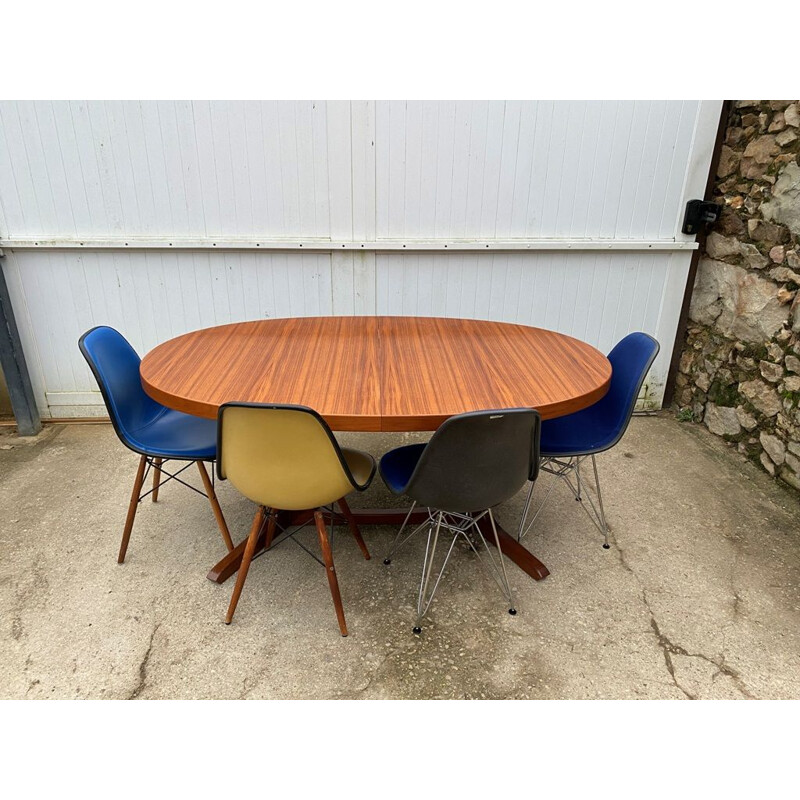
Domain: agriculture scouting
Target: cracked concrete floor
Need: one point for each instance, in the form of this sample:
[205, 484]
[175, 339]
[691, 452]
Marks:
[698, 597]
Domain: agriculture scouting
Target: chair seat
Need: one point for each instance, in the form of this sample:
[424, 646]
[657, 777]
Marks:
[581, 433]
[172, 434]
[397, 466]
[362, 465]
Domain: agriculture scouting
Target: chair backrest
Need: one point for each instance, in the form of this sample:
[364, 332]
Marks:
[476, 460]
[631, 360]
[281, 456]
[115, 365]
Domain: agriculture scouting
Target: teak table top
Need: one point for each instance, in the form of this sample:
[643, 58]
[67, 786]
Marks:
[377, 373]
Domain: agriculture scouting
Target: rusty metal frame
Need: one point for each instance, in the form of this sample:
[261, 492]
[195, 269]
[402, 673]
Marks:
[15, 370]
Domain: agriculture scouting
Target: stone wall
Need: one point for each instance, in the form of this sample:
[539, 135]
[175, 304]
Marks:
[739, 372]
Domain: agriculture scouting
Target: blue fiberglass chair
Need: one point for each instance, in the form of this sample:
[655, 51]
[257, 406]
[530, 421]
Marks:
[157, 433]
[570, 440]
[474, 461]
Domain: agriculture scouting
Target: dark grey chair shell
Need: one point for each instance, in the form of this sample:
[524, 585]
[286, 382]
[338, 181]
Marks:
[477, 460]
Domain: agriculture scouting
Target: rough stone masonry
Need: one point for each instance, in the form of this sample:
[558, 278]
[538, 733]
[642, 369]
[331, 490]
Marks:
[739, 371]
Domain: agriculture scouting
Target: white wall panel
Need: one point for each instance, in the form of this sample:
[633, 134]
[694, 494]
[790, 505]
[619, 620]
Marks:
[150, 297]
[467, 169]
[533, 169]
[183, 169]
[356, 172]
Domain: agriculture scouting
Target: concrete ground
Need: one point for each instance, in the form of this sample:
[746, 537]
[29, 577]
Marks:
[697, 598]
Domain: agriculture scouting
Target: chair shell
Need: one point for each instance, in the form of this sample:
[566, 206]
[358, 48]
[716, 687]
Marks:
[115, 366]
[600, 426]
[473, 461]
[284, 456]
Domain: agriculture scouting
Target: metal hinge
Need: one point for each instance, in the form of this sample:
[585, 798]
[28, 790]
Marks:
[700, 214]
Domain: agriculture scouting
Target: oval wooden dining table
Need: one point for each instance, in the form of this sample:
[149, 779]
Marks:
[378, 374]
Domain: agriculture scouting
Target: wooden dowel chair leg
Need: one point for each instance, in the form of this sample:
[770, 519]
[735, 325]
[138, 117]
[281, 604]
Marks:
[137, 489]
[156, 478]
[212, 498]
[246, 559]
[327, 557]
[351, 521]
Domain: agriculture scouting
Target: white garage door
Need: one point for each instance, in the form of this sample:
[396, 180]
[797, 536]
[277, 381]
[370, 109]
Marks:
[159, 218]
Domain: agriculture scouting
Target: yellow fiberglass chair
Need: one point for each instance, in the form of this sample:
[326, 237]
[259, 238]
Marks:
[285, 458]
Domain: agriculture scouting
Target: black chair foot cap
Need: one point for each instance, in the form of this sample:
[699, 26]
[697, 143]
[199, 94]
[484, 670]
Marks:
[512, 611]
[577, 499]
[417, 629]
[606, 547]
[387, 561]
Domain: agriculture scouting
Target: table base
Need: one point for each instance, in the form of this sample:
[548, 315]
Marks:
[520, 555]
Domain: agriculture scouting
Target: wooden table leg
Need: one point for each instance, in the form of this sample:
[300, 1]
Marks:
[229, 565]
[351, 521]
[520, 555]
[515, 552]
[388, 516]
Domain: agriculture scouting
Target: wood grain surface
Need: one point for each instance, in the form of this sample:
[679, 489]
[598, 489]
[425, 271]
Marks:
[377, 373]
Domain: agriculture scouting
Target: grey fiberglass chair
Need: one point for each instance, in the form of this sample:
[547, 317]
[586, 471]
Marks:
[473, 462]
[285, 458]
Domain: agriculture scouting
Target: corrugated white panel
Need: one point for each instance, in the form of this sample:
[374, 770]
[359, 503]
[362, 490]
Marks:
[532, 169]
[150, 297]
[180, 169]
[290, 169]
[346, 171]
[596, 297]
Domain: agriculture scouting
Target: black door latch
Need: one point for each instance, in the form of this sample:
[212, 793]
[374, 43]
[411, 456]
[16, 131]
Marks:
[700, 213]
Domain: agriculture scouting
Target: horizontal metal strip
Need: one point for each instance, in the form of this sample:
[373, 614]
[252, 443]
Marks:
[326, 245]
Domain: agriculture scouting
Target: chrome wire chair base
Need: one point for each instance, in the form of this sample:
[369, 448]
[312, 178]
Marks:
[569, 471]
[460, 525]
[397, 544]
